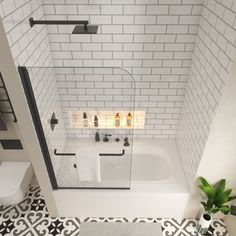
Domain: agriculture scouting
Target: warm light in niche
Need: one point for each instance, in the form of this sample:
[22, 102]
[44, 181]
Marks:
[106, 119]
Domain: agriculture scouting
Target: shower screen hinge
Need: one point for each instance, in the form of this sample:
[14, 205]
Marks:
[53, 121]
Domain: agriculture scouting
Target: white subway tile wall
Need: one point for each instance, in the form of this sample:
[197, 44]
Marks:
[153, 40]
[100, 90]
[30, 48]
[213, 55]
[178, 51]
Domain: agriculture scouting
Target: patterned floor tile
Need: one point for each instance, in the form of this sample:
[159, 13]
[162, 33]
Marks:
[31, 218]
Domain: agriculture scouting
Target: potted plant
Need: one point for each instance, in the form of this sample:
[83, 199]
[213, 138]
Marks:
[217, 199]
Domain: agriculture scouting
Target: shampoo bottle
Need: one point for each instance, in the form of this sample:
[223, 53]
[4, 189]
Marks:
[117, 120]
[85, 120]
[95, 121]
[129, 120]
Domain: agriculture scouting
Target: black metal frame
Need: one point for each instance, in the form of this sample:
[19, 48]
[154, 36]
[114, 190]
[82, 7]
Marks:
[113, 154]
[3, 86]
[97, 188]
[25, 79]
[53, 121]
[62, 154]
[24, 75]
[11, 144]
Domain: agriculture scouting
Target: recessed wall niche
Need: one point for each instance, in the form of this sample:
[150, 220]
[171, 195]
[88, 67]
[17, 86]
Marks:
[106, 119]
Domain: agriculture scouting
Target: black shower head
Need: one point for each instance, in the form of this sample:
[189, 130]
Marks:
[89, 29]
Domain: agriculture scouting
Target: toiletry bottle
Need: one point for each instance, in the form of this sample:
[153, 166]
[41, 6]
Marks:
[117, 120]
[95, 121]
[85, 120]
[129, 120]
[97, 137]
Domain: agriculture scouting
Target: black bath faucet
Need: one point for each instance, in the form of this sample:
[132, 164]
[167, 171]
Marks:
[106, 139]
[126, 143]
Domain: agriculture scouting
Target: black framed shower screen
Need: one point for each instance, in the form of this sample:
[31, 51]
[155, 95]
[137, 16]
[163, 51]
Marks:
[39, 128]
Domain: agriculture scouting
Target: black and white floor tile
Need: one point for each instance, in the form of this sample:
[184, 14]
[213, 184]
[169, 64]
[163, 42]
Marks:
[31, 218]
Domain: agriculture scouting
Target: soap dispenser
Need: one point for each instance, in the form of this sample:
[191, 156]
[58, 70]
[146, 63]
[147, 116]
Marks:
[129, 120]
[97, 137]
[85, 120]
[117, 120]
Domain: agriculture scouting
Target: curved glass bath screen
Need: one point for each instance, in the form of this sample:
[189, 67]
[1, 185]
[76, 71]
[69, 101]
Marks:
[87, 117]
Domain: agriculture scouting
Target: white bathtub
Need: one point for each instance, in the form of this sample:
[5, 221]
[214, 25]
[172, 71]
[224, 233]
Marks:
[156, 166]
[158, 187]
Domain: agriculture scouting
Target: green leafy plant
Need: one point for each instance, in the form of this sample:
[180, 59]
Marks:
[217, 197]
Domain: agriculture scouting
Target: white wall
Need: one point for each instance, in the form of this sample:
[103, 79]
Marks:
[30, 48]
[212, 60]
[218, 160]
[12, 132]
[153, 40]
[95, 89]
[29, 138]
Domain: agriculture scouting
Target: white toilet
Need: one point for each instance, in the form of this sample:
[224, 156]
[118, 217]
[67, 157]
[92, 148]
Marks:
[15, 178]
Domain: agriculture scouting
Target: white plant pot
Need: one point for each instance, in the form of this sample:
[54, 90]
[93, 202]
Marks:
[204, 223]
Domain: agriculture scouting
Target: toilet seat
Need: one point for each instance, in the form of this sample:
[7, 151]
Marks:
[14, 180]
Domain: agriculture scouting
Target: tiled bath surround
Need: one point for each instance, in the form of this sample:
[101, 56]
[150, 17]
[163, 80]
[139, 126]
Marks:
[212, 59]
[153, 40]
[30, 48]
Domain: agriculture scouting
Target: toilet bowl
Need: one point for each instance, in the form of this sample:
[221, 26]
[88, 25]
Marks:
[15, 178]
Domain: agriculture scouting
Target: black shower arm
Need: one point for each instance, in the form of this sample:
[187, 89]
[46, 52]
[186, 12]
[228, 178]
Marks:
[58, 22]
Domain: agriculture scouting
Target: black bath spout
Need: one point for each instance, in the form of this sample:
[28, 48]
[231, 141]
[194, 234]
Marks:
[106, 139]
